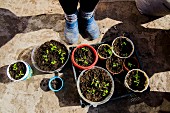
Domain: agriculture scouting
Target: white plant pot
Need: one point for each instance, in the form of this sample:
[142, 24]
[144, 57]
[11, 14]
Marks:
[128, 41]
[95, 104]
[27, 75]
[146, 82]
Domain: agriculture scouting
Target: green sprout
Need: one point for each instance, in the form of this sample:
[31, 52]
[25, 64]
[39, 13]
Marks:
[137, 79]
[62, 54]
[20, 74]
[85, 62]
[53, 62]
[130, 64]
[92, 91]
[47, 51]
[124, 43]
[105, 92]
[53, 47]
[108, 51]
[84, 57]
[115, 64]
[15, 67]
[59, 51]
[84, 49]
[62, 59]
[45, 57]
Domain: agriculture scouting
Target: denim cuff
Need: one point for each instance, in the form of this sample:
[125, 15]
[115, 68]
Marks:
[71, 18]
[86, 15]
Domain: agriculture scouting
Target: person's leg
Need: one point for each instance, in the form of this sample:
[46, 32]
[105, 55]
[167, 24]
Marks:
[87, 21]
[71, 31]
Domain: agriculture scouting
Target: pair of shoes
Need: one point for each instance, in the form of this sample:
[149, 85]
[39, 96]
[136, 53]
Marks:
[87, 25]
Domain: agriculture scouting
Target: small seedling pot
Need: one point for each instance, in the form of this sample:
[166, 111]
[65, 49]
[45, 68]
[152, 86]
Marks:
[107, 98]
[128, 40]
[128, 78]
[111, 60]
[83, 67]
[101, 56]
[50, 71]
[27, 74]
[133, 61]
[59, 85]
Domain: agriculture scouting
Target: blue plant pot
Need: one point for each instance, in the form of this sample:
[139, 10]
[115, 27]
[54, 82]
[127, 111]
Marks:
[60, 80]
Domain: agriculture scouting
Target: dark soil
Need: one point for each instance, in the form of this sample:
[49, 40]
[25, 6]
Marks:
[18, 72]
[56, 84]
[105, 51]
[44, 84]
[131, 81]
[93, 84]
[52, 61]
[114, 64]
[122, 47]
[84, 56]
[131, 63]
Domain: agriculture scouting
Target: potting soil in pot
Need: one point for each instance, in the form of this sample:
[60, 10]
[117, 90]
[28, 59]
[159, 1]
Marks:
[114, 64]
[17, 70]
[84, 56]
[56, 84]
[122, 47]
[131, 63]
[136, 80]
[95, 85]
[105, 51]
[51, 55]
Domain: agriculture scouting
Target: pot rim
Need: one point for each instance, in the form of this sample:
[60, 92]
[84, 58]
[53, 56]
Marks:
[51, 79]
[101, 57]
[146, 84]
[95, 104]
[128, 41]
[34, 62]
[28, 68]
[83, 67]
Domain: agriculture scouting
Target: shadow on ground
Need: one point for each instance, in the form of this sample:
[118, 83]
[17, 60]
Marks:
[10, 24]
[151, 45]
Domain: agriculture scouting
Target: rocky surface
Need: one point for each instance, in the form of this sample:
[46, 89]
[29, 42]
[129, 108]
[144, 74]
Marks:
[25, 24]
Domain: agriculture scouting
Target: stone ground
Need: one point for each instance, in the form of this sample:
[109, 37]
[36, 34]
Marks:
[25, 24]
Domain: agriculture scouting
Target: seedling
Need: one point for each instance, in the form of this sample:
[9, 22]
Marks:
[105, 92]
[84, 49]
[62, 59]
[47, 51]
[53, 62]
[15, 67]
[115, 64]
[130, 64]
[137, 79]
[20, 74]
[123, 43]
[45, 57]
[108, 51]
[53, 47]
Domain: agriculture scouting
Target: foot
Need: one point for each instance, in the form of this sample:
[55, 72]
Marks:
[89, 26]
[71, 32]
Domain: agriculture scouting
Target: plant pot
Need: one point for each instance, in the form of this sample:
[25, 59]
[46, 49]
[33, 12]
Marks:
[19, 71]
[122, 47]
[95, 86]
[84, 56]
[55, 84]
[136, 80]
[114, 65]
[131, 63]
[50, 57]
[104, 51]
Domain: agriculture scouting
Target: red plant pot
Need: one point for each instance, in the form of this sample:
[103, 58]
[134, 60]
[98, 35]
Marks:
[83, 67]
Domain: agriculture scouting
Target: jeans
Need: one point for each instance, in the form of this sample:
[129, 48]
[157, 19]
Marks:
[70, 6]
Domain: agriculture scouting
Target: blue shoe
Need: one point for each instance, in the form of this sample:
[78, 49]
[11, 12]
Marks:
[71, 32]
[88, 25]
[92, 28]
